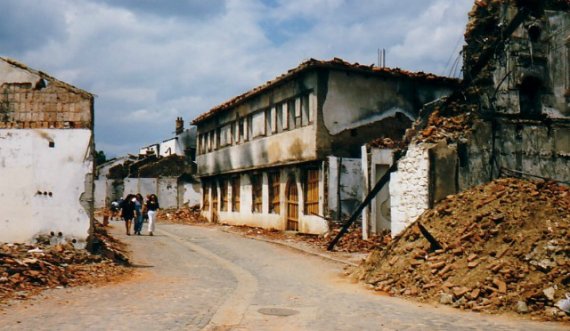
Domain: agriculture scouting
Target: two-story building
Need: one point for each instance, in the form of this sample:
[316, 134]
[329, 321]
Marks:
[263, 157]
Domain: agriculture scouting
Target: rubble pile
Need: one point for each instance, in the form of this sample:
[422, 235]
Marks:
[185, 215]
[503, 246]
[26, 269]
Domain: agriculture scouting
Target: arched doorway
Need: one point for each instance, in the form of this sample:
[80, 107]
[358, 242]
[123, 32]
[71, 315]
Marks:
[292, 206]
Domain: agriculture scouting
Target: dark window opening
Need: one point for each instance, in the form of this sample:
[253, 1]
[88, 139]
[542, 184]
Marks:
[534, 32]
[51, 144]
[529, 97]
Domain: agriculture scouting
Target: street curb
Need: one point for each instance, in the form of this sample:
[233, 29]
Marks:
[324, 256]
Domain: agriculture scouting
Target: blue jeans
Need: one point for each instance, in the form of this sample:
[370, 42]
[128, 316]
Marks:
[138, 223]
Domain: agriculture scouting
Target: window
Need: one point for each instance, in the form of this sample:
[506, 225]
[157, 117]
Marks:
[224, 195]
[285, 116]
[235, 194]
[279, 117]
[205, 196]
[237, 132]
[256, 192]
[274, 185]
[291, 113]
[211, 145]
[312, 192]
[305, 110]
[258, 124]
[242, 131]
[226, 135]
[298, 113]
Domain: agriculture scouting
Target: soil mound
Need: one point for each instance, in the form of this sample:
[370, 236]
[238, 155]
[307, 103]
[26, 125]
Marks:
[505, 246]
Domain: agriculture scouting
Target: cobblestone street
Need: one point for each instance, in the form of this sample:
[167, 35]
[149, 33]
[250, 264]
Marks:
[195, 278]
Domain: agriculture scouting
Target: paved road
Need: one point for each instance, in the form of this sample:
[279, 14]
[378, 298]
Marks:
[201, 278]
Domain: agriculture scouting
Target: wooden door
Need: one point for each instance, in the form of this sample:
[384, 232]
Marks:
[292, 206]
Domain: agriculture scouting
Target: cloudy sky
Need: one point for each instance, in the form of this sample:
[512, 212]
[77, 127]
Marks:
[150, 61]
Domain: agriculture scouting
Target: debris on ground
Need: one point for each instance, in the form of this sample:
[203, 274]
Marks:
[505, 246]
[184, 215]
[27, 269]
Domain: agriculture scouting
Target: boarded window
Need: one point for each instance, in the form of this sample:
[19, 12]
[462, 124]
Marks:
[206, 196]
[236, 132]
[235, 194]
[312, 192]
[242, 131]
[224, 195]
[256, 192]
[258, 124]
[274, 185]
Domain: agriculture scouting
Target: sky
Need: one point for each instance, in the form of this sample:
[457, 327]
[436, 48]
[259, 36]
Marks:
[151, 61]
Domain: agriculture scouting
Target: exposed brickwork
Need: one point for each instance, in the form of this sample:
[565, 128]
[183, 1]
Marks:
[56, 106]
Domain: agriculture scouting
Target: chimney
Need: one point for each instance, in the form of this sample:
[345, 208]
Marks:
[179, 126]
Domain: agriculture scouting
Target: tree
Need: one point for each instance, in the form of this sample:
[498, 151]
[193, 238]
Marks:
[100, 157]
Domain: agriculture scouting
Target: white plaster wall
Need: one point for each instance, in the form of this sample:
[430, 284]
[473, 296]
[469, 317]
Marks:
[28, 166]
[409, 188]
[191, 195]
[100, 192]
[171, 147]
[11, 74]
[147, 186]
[131, 186]
[168, 192]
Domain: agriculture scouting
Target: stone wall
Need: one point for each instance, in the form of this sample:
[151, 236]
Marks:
[409, 188]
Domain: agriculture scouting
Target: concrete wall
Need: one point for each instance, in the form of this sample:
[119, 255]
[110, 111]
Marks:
[36, 199]
[171, 192]
[287, 147]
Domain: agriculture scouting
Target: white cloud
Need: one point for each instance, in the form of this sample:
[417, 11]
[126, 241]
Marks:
[149, 64]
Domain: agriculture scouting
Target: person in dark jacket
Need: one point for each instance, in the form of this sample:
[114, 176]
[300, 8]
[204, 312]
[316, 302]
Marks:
[128, 212]
[152, 207]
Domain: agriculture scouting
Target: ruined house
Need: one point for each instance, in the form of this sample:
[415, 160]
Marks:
[511, 116]
[166, 169]
[46, 155]
[285, 155]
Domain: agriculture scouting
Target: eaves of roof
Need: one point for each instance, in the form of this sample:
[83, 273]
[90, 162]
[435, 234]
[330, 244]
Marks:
[335, 63]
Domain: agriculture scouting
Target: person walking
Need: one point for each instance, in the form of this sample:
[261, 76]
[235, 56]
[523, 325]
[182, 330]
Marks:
[152, 207]
[138, 201]
[128, 212]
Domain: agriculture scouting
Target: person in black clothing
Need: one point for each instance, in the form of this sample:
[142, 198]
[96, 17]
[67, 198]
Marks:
[128, 212]
[152, 207]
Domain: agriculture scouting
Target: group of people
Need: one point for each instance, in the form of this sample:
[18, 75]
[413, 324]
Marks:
[134, 209]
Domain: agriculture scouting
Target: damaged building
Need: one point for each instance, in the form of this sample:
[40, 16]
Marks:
[166, 169]
[46, 155]
[286, 155]
[510, 118]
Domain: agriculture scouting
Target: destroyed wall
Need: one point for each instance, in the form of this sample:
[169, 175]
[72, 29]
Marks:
[344, 186]
[511, 116]
[46, 161]
[409, 188]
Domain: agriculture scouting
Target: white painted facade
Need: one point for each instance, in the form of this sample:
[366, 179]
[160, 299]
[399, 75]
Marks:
[409, 188]
[42, 185]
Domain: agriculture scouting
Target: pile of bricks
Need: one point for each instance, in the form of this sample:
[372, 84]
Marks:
[502, 247]
[26, 269]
